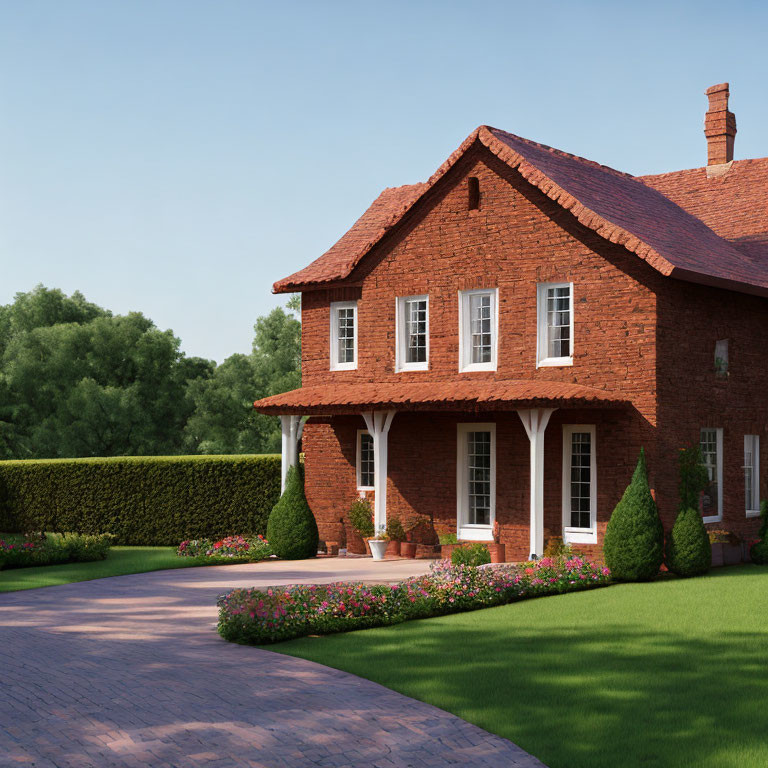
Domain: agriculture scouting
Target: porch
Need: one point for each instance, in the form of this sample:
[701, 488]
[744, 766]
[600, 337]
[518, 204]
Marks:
[460, 458]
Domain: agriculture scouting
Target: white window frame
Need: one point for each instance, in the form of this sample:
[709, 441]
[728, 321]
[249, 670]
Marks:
[359, 463]
[542, 336]
[755, 451]
[401, 337]
[719, 448]
[573, 535]
[465, 345]
[464, 530]
[334, 346]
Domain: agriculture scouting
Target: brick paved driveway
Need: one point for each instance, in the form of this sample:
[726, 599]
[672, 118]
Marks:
[128, 671]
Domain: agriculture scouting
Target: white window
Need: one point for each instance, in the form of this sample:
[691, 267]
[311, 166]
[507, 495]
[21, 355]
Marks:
[412, 331]
[712, 458]
[555, 324]
[476, 481]
[579, 484]
[478, 330]
[343, 335]
[721, 357]
[364, 461]
[752, 474]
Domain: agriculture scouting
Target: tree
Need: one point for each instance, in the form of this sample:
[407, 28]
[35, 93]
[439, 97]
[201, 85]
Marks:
[223, 420]
[634, 539]
[291, 528]
[759, 551]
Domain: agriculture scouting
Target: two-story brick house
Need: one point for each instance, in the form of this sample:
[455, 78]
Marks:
[497, 344]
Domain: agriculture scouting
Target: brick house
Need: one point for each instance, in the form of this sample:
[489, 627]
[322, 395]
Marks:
[498, 343]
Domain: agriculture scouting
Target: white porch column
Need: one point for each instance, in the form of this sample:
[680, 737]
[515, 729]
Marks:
[293, 426]
[535, 422]
[378, 424]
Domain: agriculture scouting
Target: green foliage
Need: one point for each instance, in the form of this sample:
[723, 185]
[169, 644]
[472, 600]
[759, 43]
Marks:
[471, 554]
[634, 538]
[395, 530]
[52, 549]
[231, 549]
[292, 530]
[445, 539]
[689, 552]
[142, 500]
[361, 517]
[224, 420]
[556, 548]
[759, 551]
[693, 477]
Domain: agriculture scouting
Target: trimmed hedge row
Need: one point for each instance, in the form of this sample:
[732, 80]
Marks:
[142, 500]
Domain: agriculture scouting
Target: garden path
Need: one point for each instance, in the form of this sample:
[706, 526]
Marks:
[128, 672]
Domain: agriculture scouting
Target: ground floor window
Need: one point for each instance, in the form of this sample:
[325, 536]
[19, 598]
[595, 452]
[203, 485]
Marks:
[579, 484]
[752, 474]
[712, 457]
[365, 461]
[476, 480]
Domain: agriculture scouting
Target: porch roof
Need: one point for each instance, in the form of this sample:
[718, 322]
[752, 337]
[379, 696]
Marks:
[510, 394]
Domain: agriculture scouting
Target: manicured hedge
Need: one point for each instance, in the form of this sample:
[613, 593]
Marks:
[152, 500]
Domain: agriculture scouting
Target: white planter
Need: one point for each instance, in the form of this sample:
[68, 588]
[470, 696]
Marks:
[378, 548]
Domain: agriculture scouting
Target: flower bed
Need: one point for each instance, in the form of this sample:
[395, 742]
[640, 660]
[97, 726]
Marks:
[232, 549]
[257, 617]
[24, 551]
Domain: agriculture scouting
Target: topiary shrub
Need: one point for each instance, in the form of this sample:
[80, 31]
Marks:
[689, 552]
[471, 554]
[291, 528]
[759, 551]
[634, 539]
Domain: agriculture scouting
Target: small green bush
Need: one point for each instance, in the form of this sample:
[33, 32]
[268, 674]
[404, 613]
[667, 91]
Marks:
[759, 551]
[446, 539]
[471, 554]
[291, 529]
[689, 552]
[395, 530]
[361, 517]
[634, 538]
[142, 500]
[52, 549]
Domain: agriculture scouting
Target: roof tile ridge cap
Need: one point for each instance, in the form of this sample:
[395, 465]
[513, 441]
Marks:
[586, 216]
[562, 153]
[454, 157]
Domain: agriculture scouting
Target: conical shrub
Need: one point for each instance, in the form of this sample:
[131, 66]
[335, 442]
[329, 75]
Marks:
[689, 552]
[291, 528]
[634, 539]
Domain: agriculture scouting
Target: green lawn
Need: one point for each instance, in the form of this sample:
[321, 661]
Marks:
[672, 673]
[121, 560]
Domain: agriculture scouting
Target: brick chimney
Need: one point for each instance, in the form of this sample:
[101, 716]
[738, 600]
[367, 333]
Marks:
[719, 126]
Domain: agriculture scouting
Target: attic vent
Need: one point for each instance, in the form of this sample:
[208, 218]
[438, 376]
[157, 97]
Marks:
[473, 186]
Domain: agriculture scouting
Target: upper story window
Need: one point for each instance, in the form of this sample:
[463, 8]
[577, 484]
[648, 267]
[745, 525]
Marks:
[721, 358]
[343, 335]
[555, 323]
[478, 330]
[413, 333]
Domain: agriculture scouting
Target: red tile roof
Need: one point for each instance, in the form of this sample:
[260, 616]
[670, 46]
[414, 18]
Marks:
[436, 395]
[646, 218]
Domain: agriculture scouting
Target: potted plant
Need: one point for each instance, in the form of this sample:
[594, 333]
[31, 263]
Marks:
[396, 535]
[726, 547]
[497, 549]
[361, 520]
[448, 542]
[408, 547]
[378, 544]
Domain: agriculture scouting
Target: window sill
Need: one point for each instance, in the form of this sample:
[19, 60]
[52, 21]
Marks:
[555, 362]
[712, 519]
[579, 536]
[408, 367]
[344, 367]
[473, 367]
[476, 533]
[753, 513]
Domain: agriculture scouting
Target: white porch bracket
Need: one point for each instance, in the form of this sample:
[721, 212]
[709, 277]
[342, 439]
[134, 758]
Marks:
[378, 424]
[293, 427]
[535, 421]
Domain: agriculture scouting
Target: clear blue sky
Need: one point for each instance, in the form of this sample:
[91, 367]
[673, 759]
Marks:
[178, 156]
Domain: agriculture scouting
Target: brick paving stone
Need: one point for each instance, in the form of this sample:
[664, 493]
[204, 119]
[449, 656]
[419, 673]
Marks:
[128, 672]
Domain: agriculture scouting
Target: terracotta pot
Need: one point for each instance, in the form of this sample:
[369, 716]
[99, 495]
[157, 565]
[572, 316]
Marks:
[408, 549]
[446, 550]
[732, 554]
[498, 553]
[717, 555]
[394, 549]
[355, 543]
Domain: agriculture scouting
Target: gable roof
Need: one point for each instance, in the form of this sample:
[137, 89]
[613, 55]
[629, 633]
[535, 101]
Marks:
[623, 209]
